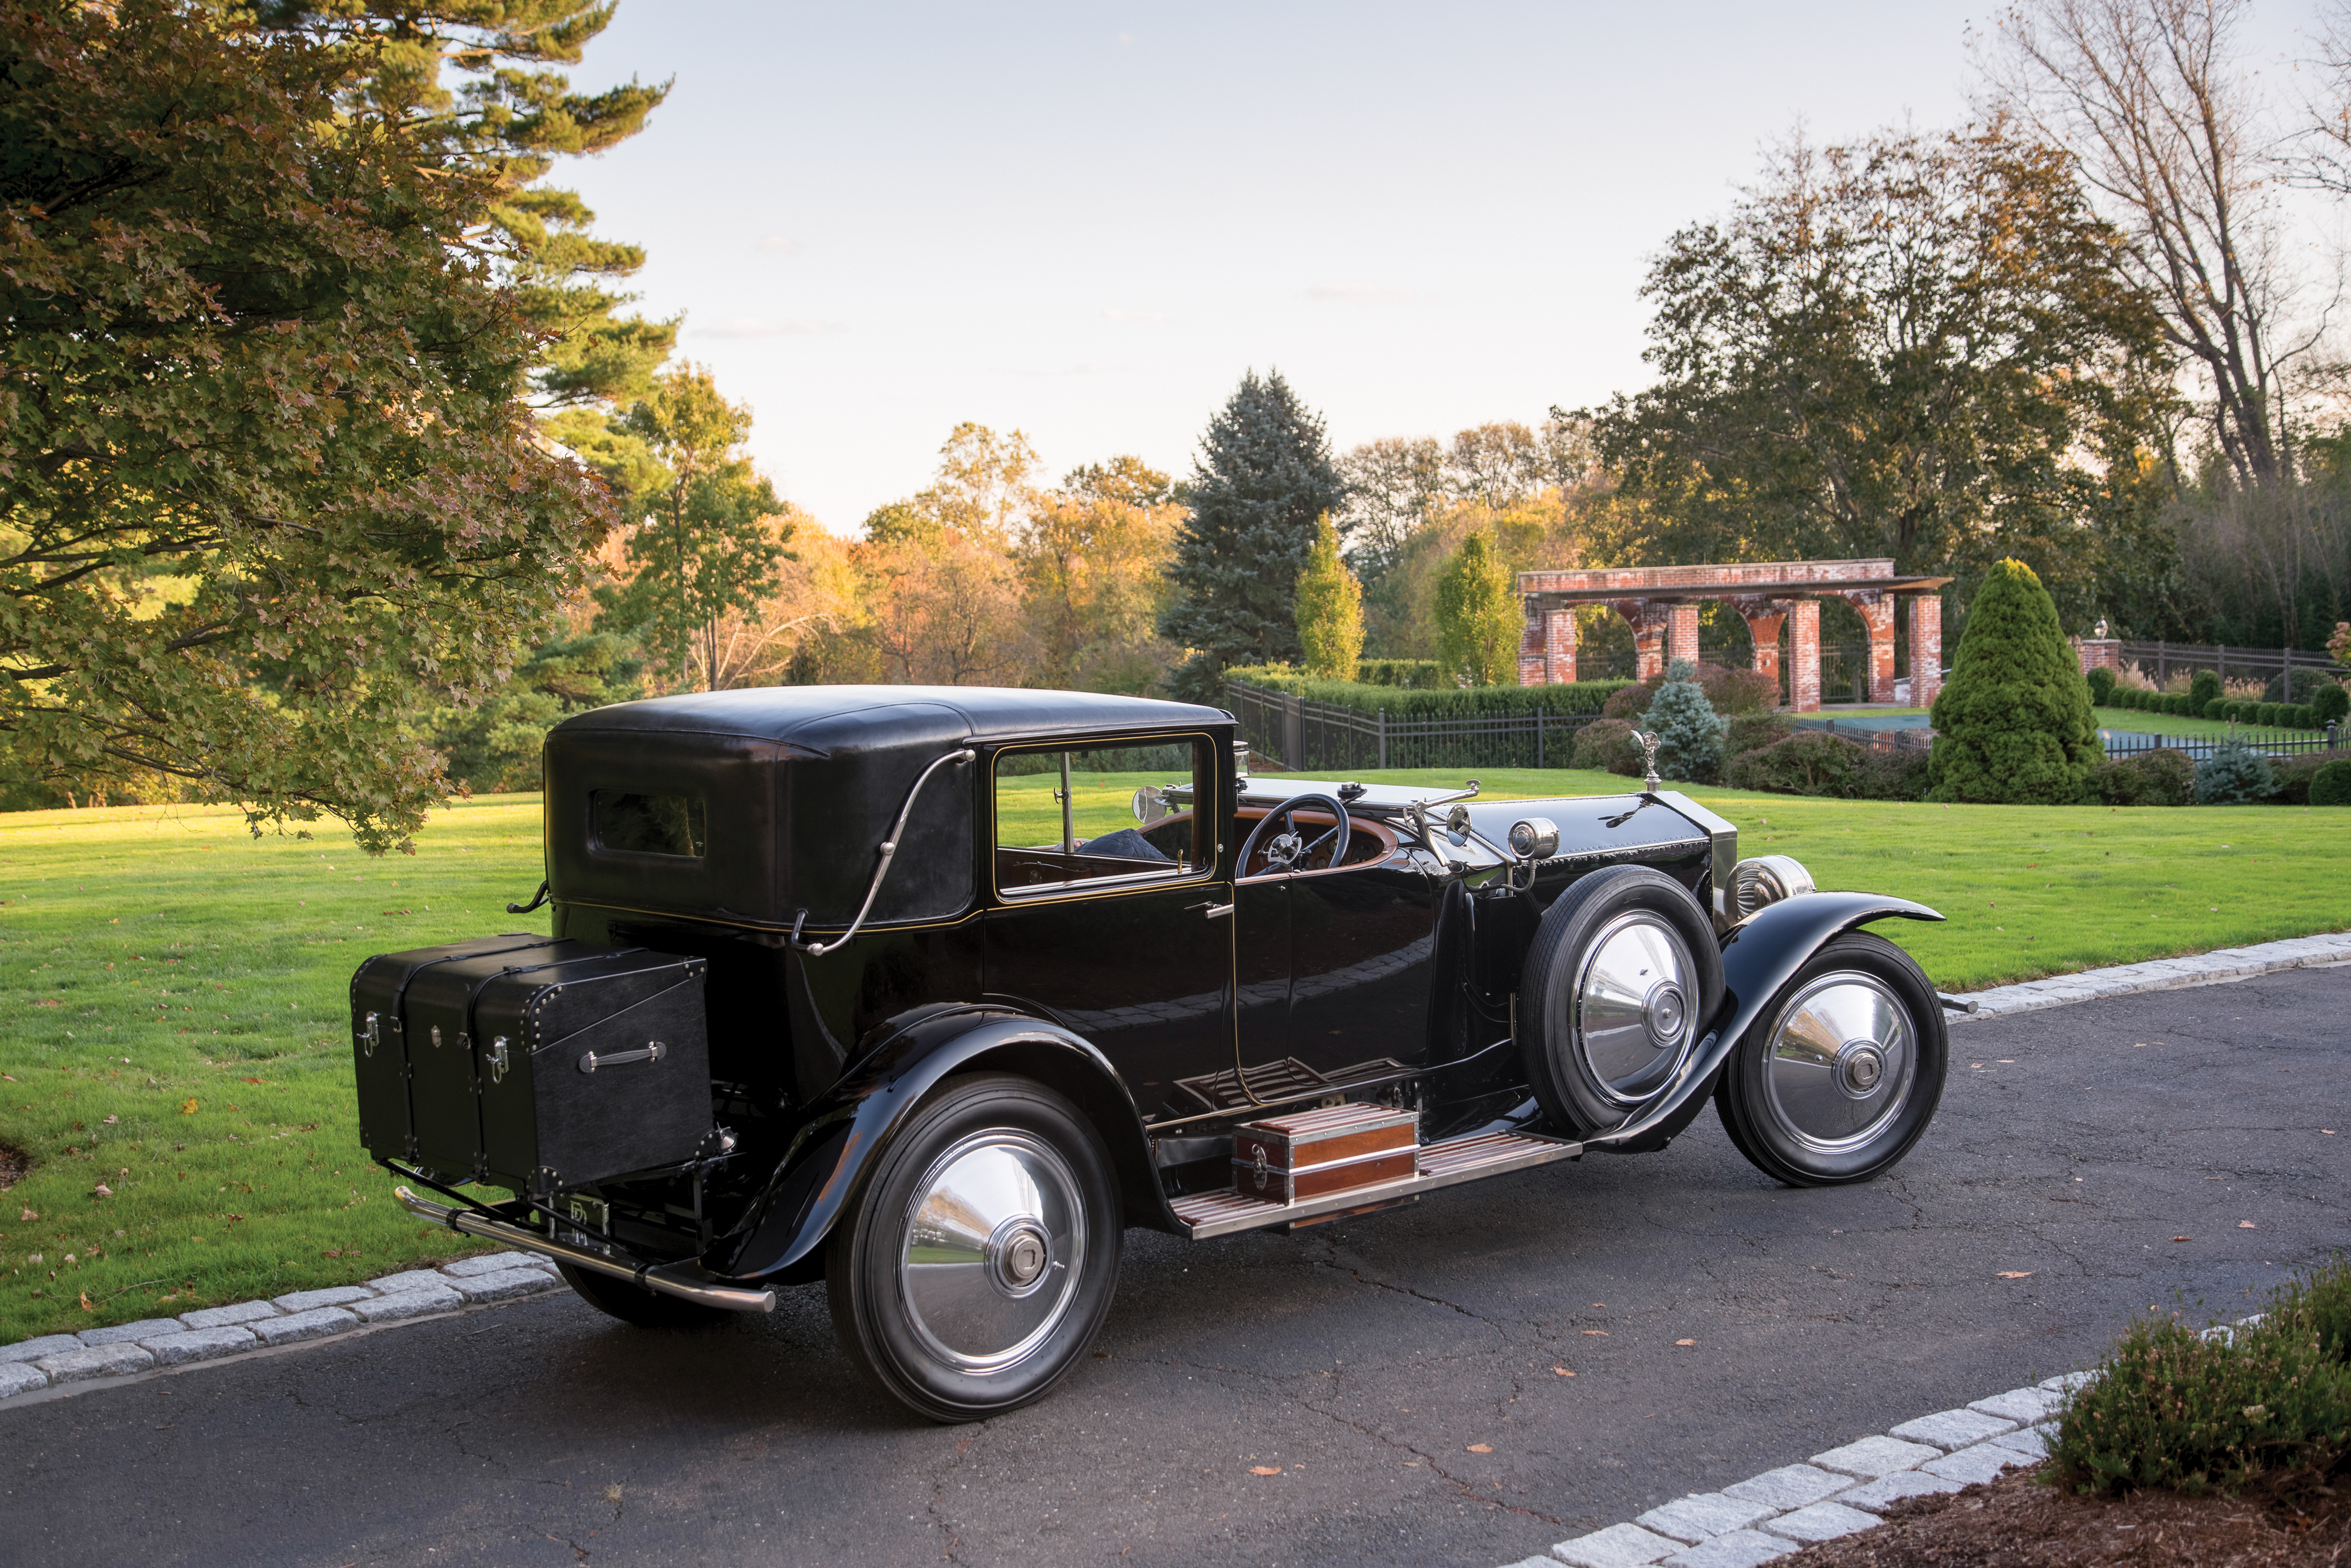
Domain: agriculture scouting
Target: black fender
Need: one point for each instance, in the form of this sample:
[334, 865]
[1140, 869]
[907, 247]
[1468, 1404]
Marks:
[1759, 955]
[857, 1117]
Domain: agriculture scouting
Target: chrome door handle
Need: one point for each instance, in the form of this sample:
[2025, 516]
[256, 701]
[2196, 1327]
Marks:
[1215, 911]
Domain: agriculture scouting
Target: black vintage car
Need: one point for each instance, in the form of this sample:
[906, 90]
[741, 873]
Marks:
[928, 993]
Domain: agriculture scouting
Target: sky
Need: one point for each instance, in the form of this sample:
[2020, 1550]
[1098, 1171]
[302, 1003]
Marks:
[1088, 221]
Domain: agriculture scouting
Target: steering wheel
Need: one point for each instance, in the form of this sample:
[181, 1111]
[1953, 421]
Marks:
[1289, 849]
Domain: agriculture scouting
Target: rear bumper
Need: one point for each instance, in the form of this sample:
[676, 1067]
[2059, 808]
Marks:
[669, 1279]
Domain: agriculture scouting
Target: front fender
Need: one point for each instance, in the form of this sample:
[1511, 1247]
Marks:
[856, 1119]
[1758, 957]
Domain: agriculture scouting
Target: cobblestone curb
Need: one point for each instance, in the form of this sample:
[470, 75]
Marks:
[1837, 1493]
[2159, 974]
[212, 1333]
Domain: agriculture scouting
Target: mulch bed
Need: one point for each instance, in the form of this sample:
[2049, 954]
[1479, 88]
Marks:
[15, 1162]
[2017, 1522]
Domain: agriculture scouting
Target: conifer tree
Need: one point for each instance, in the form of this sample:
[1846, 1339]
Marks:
[2013, 724]
[1689, 732]
[1330, 610]
[1264, 474]
[1478, 614]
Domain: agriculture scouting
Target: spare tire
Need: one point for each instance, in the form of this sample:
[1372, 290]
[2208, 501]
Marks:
[1622, 975]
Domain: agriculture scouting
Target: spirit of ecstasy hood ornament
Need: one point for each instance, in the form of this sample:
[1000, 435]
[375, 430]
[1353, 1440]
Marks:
[1648, 740]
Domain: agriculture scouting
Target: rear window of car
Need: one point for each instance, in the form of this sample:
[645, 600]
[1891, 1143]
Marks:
[1070, 816]
[627, 823]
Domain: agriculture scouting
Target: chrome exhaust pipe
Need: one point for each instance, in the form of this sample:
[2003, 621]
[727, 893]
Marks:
[669, 1279]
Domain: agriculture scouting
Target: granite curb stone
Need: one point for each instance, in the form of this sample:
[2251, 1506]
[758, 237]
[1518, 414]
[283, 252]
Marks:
[504, 1285]
[95, 1361]
[1952, 1430]
[1882, 1493]
[1790, 1486]
[332, 1296]
[1618, 1546]
[2159, 974]
[315, 1323]
[1871, 1458]
[1738, 1549]
[34, 1349]
[1821, 1522]
[121, 1333]
[21, 1377]
[408, 1304]
[221, 1317]
[200, 1344]
[2021, 1406]
[1702, 1516]
[1983, 1462]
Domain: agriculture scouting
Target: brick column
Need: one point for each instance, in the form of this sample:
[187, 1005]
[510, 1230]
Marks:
[1765, 631]
[2099, 653]
[1925, 648]
[1876, 612]
[1559, 647]
[1805, 655]
[1531, 648]
[1681, 632]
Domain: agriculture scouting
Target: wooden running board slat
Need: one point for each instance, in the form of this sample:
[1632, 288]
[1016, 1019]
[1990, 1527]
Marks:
[1225, 1212]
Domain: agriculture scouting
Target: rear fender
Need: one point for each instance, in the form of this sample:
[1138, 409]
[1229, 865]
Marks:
[1759, 955]
[857, 1118]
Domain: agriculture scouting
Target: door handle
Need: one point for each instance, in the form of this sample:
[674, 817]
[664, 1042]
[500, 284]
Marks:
[1215, 911]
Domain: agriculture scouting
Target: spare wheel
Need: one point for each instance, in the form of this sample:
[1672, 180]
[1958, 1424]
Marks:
[1622, 974]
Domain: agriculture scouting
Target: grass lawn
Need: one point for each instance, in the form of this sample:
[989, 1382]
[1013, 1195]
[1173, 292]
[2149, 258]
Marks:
[2200, 728]
[175, 992]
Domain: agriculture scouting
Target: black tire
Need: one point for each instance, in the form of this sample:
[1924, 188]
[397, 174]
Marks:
[1591, 1073]
[980, 1324]
[1820, 1093]
[632, 1303]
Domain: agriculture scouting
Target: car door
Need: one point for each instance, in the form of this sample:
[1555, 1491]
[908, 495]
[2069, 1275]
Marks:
[1123, 938]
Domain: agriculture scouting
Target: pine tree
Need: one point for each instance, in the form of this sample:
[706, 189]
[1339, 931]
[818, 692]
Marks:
[2013, 724]
[1330, 610]
[1689, 732]
[1264, 476]
[1478, 616]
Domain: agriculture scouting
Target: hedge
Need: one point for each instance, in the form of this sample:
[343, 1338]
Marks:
[2268, 715]
[1413, 703]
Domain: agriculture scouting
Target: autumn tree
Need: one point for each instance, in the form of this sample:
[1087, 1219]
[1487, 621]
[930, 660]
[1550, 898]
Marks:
[271, 494]
[712, 530]
[1092, 561]
[1330, 610]
[1478, 616]
[1913, 346]
[1264, 476]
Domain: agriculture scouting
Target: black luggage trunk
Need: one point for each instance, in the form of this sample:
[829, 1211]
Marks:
[532, 1064]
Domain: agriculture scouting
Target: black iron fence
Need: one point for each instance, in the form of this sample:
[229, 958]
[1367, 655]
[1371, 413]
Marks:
[2268, 742]
[1304, 737]
[2160, 660]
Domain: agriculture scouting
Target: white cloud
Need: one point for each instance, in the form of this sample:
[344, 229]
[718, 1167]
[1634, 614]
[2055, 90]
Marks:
[1147, 318]
[1361, 294]
[780, 244]
[759, 327]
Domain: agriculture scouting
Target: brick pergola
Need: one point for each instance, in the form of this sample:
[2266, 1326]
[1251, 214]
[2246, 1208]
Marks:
[1662, 601]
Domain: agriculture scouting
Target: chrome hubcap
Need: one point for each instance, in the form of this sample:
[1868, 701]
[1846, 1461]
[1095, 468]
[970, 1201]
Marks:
[1632, 1018]
[994, 1242]
[1843, 1058]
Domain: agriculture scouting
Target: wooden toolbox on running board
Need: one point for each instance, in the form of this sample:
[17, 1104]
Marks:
[1337, 1149]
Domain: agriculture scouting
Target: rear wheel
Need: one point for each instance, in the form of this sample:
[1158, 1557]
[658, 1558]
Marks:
[975, 1266]
[1842, 1074]
[634, 1303]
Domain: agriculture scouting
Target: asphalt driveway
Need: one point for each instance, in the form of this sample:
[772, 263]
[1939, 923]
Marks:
[1404, 1373]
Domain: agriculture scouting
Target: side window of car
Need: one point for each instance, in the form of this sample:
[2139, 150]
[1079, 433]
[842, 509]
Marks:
[1087, 815]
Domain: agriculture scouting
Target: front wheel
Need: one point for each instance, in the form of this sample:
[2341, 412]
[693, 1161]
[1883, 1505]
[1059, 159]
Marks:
[1844, 1072]
[980, 1259]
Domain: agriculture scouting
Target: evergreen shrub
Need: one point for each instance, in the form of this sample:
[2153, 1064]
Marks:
[1606, 745]
[2269, 716]
[2297, 685]
[1754, 731]
[1731, 692]
[2300, 716]
[1689, 732]
[2234, 775]
[2162, 777]
[2102, 686]
[2297, 775]
[2331, 784]
[2218, 708]
[2012, 725]
[2329, 701]
[1814, 762]
[2203, 686]
[1422, 673]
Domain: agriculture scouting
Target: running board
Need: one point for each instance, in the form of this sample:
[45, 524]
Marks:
[1223, 1213]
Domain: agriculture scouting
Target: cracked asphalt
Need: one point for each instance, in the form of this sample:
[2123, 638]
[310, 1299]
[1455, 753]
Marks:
[1405, 1373]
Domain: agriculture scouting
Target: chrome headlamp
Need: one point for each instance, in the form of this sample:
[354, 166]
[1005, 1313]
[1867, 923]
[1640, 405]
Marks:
[1764, 881]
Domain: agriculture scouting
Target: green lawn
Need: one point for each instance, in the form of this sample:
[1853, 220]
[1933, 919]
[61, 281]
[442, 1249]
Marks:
[175, 991]
[2200, 728]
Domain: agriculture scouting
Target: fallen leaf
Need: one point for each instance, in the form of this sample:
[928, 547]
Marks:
[1265, 1469]
[2328, 1131]
[2183, 1238]
[2016, 1273]
[29, 1217]
[1562, 1372]
[87, 1305]
[110, 1122]
[187, 1107]
[1481, 1447]
[102, 1190]
[2247, 1225]
[1597, 1333]
[1684, 1342]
